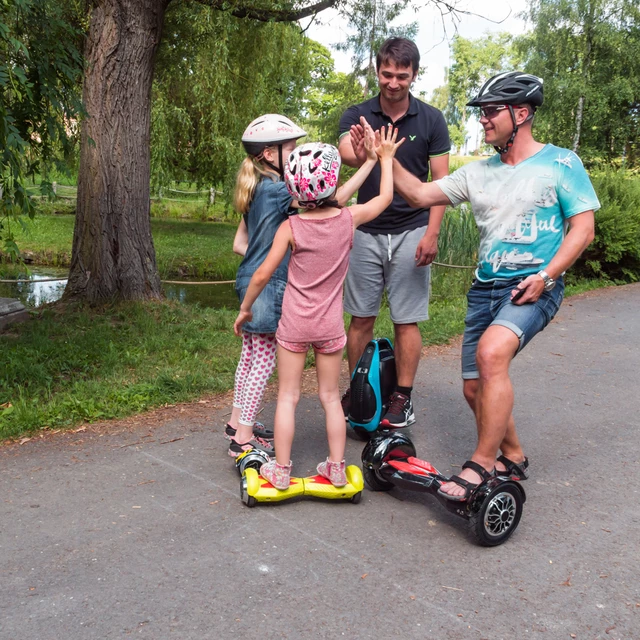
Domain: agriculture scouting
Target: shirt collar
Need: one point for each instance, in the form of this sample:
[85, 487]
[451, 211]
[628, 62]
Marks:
[411, 111]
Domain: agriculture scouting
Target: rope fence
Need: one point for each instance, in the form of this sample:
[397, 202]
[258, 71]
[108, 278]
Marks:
[69, 192]
[210, 282]
[163, 281]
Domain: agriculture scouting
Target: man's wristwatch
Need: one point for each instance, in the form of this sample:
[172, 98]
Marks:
[549, 282]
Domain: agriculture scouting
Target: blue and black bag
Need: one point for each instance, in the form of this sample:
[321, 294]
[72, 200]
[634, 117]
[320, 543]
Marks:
[372, 383]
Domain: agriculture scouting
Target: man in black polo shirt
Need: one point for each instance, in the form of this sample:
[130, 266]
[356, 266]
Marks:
[394, 251]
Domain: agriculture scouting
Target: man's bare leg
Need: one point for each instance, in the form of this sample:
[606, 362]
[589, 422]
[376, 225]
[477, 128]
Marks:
[493, 401]
[408, 347]
[510, 446]
[360, 333]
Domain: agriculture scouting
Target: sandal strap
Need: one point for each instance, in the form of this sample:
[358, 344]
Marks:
[465, 484]
[517, 468]
[462, 482]
[479, 469]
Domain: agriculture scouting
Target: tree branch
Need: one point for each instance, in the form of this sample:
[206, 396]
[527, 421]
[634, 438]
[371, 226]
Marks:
[267, 15]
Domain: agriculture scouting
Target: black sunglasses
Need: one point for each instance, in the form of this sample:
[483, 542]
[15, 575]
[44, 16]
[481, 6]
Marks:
[490, 112]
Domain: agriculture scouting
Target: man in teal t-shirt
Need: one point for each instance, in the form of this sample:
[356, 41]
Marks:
[534, 206]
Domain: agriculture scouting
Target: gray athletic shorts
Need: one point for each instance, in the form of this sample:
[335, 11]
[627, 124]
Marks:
[380, 262]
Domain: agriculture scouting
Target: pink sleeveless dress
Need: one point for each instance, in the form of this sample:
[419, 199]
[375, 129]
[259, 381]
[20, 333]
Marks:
[312, 304]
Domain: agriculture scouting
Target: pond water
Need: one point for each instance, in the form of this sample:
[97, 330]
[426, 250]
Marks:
[36, 292]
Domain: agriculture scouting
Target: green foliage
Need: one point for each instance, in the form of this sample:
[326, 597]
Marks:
[588, 53]
[40, 71]
[214, 74]
[196, 249]
[183, 247]
[79, 365]
[76, 364]
[370, 22]
[615, 252]
[328, 95]
[459, 239]
[474, 62]
[441, 99]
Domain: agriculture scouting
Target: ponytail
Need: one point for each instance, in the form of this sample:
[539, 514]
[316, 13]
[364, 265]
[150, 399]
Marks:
[249, 176]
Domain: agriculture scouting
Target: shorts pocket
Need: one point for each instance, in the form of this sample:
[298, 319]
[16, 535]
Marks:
[550, 301]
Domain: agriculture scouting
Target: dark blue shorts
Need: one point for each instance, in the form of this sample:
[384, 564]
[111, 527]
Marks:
[267, 308]
[490, 303]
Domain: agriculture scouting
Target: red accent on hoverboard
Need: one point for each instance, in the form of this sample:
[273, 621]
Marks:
[414, 465]
[423, 464]
[407, 467]
[319, 480]
[267, 485]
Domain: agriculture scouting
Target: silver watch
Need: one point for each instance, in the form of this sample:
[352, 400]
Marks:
[549, 282]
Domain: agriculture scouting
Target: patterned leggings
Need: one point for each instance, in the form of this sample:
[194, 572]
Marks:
[257, 362]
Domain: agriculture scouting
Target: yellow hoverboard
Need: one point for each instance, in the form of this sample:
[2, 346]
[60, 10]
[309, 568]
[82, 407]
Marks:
[254, 488]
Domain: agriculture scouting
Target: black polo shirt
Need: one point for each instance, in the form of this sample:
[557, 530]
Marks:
[426, 135]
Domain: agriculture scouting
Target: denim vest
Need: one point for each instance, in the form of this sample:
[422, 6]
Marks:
[268, 210]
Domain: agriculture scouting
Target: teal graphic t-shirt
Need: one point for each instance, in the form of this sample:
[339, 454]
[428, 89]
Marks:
[521, 210]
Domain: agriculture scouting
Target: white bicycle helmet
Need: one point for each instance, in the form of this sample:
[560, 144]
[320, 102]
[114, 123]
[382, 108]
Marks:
[311, 171]
[268, 130]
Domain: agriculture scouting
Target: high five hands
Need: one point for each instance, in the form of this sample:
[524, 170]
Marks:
[382, 143]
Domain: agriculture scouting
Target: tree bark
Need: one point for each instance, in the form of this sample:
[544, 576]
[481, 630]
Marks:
[113, 256]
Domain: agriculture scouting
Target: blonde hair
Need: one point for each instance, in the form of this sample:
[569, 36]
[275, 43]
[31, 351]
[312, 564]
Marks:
[249, 175]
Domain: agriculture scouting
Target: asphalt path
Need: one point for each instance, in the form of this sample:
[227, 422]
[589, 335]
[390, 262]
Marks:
[115, 533]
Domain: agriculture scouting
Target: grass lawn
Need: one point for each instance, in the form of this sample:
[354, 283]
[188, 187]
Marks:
[72, 364]
[183, 247]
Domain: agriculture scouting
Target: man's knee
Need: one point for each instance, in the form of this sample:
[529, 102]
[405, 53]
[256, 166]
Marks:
[361, 325]
[406, 329]
[496, 349]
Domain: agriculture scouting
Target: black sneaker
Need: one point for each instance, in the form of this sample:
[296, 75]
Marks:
[235, 448]
[346, 403]
[400, 412]
[259, 430]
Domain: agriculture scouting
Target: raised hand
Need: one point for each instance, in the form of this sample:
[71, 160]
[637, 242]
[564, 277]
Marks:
[356, 134]
[388, 145]
[369, 140]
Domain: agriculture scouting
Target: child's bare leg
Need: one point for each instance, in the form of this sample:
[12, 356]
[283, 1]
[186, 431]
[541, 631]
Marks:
[328, 371]
[290, 367]
[235, 416]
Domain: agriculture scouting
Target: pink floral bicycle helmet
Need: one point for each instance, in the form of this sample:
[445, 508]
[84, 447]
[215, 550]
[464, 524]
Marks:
[311, 171]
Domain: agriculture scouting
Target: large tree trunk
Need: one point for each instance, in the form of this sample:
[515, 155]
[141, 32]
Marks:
[113, 255]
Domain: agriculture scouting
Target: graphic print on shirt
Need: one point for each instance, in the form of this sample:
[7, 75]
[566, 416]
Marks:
[521, 210]
[529, 214]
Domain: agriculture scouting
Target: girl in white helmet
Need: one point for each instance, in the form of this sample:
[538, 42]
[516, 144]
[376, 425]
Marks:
[264, 202]
[319, 239]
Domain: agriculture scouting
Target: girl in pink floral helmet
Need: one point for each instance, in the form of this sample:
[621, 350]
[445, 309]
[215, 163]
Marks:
[311, 174]
[320, 239]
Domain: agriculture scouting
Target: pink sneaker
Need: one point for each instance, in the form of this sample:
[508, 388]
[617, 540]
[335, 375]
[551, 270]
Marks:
[279, 475]
[333, 472]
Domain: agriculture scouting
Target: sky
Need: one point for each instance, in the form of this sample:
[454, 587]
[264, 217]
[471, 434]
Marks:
[434, 37]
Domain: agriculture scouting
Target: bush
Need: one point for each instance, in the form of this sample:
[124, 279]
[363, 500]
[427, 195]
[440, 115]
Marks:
[615, 253]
